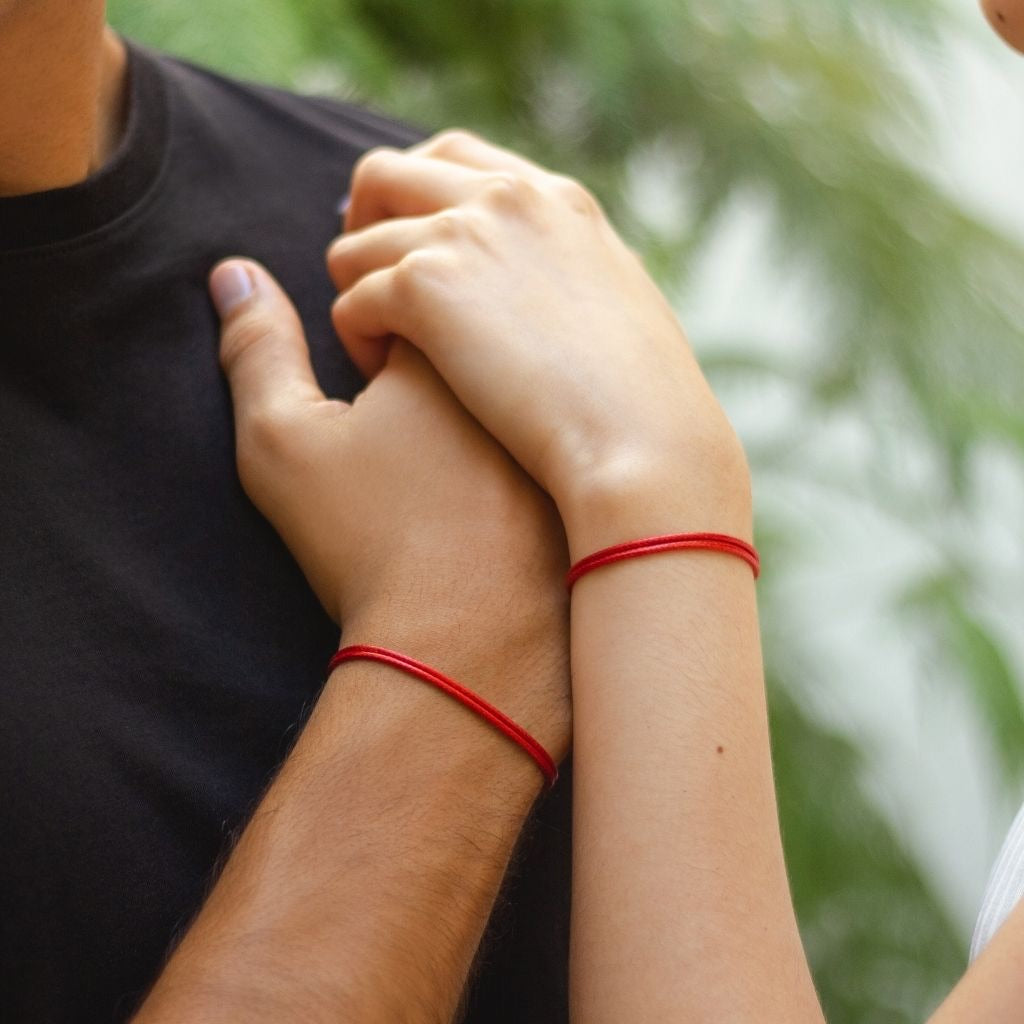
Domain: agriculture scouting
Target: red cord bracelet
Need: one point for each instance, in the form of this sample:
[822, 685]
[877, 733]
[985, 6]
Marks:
[471, 700]
[672, 542]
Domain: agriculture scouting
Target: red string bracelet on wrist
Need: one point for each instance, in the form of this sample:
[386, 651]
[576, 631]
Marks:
[471, 700]
[672, 542]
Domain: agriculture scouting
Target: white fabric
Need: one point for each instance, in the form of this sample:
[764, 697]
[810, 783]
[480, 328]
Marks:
[1005, 888]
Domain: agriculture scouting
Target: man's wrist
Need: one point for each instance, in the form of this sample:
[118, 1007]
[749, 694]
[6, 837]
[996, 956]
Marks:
[389, 829]
[521, 670]
[439, 737]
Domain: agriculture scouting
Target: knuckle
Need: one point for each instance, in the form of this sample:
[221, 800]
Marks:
[340, 314]
[507, 191]
[575, 194]
[340, 310]
[408, 275]
[372, 164]
[449, 224]
[337, 258]
[350, 312]
[337, 248]
[452, 142]
[418, 274]
[475, 227]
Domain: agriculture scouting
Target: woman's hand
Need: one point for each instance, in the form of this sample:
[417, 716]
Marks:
[414, 527]
[547, 327]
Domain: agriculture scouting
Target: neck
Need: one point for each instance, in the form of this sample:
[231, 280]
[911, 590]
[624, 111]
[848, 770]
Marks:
[62, 95]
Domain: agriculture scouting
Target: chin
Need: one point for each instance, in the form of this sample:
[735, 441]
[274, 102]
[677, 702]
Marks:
[1006, 17]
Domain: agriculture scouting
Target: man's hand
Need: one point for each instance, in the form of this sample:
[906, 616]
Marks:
[407, 518]
[360, 889]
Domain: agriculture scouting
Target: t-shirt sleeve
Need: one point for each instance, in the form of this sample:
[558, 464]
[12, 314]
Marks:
[1005, 888]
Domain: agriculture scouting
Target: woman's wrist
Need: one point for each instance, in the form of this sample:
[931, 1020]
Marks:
[635, 496]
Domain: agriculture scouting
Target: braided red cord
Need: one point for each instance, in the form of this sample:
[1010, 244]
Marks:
[474, 702]
[672, 542]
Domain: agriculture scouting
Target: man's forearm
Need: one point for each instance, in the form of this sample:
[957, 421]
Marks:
[361, 886]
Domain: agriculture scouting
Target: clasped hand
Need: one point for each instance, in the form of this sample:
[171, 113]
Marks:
[508, 333]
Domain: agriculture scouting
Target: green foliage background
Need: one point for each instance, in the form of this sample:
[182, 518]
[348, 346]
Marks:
[805, 104]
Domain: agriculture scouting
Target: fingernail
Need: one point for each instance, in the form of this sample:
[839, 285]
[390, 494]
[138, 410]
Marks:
[343, 204]
[230, 285]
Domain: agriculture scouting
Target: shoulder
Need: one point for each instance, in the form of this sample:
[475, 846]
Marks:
[237, 105]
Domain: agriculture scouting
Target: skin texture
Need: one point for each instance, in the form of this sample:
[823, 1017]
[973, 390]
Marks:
[993, 989]
[659, 879]
[62, 91]
[391, 824]
[681, 905]
[693, 921]
[437, 501]
[422, 259]
[1007, 18]
[360, 889]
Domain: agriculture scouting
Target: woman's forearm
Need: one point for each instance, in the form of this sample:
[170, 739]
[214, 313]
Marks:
[681, 907]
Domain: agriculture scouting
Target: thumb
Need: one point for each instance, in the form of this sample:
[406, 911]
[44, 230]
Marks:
[263, 347]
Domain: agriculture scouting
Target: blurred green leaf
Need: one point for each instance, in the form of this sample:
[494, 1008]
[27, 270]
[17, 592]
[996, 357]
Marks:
[941, 602]
[881, 948]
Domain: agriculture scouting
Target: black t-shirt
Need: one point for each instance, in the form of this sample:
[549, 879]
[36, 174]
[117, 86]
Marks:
[159, 649]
